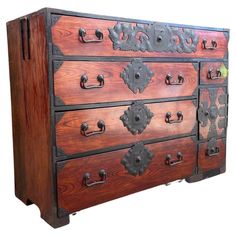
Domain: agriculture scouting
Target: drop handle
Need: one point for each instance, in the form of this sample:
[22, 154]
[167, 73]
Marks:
[170, 81]
[84, 129]
[214, 76]
[213, 45]
[170, 162]
[87, 176]
[98, 36]
[211, 152]
[84, 80]
[179, 119]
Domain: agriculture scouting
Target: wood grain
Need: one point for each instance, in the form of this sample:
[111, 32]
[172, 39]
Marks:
[74, 196]
[67, 82]
[208, 163]
[65, 37]
[71, 141]
[31, 119]
[205, 66]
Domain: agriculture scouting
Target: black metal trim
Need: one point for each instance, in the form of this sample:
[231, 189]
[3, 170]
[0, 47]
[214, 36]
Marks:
[120, 103]
[59, 101]
[58, 116]
[114, 18]
[56, 50]
[54, 19]
[196, 66]
[119, 147]
[128, 59]
[57, 65]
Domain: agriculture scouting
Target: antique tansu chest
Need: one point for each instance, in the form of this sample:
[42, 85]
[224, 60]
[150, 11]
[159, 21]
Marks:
[103, 107]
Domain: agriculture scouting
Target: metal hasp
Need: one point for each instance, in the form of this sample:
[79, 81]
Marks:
[137, 75]
[137, 159]
[137, 117]
[154, 37]
[210, 112]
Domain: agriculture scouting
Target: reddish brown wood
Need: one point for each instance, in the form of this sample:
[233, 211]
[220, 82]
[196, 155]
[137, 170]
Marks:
[70, 140]
[67, 82]
[205, 66]
[73, 195]
[30, 118]
[207, 163]
[65, 37]
[205, 97]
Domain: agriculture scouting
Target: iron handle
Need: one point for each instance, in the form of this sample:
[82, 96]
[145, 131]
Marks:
[211, 76]
[98, 34]
[170, 162]
[84, 129]
[86, 179]
[179, 119]
[84, 80]
[169, 80]
[214, 151]
[212, 47]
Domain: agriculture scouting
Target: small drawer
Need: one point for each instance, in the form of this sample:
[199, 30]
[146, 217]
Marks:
[214, 72]
[212, 155]
[88, 181]
[213, 112]
[92, 129]
[80, 82]
[96, 37]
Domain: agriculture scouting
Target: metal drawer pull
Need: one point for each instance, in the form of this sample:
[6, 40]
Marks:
[84, 127]
[214, 151]
[169, 80]
[102, 174]
[98, 34]
[171, 162]
[179, 119]
[211, 76]
[84, 80]
[212, 47]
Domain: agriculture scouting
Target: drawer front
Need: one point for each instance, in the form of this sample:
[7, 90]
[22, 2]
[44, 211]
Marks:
[86, 130]
[116, 174]
[79, 82]
[212, 155]
[94, 37]
[212, 113]
[213, 72]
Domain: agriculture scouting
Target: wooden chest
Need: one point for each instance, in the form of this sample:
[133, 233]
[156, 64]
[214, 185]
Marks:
[103, 107]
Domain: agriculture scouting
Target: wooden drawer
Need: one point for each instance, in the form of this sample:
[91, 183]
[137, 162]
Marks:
[212, 112]
[122, 81]
[122, 125]
[144, 168]
[212, 155]
[214, 72]
[114, 38]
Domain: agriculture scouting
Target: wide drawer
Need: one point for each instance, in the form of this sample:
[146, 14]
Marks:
[214, 72]
[88, 181]
[80, 82]
[86, 130]
[95, 37]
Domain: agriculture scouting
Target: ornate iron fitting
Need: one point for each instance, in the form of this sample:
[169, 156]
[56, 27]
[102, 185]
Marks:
[137, 117]
[137, 159]
[212, 148]
[154, 37]
[137, 76]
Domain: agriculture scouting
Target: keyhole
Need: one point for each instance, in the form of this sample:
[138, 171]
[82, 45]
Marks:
[137, 118]
[138, 159]
[137, 75]
[159, 39]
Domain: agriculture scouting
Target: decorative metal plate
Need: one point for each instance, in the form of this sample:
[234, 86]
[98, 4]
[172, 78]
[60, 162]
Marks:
[210, 113]
[137, 159]
[136, 75]
[137, 117]
[154, 37]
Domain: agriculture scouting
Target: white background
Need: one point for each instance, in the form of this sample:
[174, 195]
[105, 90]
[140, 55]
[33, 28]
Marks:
[204, 208]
